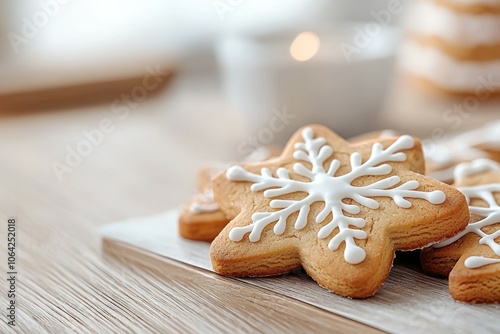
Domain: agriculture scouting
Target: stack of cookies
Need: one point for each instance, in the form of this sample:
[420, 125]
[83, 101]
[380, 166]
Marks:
[454, 46]
[341, 209]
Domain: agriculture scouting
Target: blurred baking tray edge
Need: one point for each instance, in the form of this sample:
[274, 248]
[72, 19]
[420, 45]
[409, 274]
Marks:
[42, 86]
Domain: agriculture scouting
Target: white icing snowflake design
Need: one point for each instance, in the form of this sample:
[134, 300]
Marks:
[323, 185]
[491, 216]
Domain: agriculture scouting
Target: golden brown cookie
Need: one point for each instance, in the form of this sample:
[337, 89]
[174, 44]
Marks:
[201, 218]
[472, 258]
[201, 227]
[339, 210]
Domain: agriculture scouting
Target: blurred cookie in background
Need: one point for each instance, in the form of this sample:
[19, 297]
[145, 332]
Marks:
[201, 218]
[443, 155]
[453, 46]
[447, 76]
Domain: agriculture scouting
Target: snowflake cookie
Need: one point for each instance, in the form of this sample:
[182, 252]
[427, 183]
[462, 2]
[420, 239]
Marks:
[472, 257]
[336, 209]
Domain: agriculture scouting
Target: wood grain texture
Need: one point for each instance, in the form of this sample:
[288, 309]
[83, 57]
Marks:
[216, 303]
[409, 301]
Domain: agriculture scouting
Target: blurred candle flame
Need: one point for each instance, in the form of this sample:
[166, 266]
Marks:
[304, 46]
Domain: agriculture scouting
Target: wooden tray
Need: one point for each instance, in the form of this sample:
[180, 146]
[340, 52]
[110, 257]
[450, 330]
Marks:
[409, 301]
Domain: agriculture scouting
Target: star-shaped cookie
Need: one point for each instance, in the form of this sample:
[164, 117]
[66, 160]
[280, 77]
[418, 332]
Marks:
[472, 258]
[339, 210]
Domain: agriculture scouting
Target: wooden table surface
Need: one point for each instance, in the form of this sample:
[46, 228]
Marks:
[144, 166]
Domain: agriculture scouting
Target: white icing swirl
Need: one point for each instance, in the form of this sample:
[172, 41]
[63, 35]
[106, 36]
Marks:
[490, 216]
[474, 262]
[444, 154]
[475, 167]
[204, 202]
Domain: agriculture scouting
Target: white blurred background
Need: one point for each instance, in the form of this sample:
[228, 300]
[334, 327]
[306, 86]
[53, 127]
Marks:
[261, 56]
